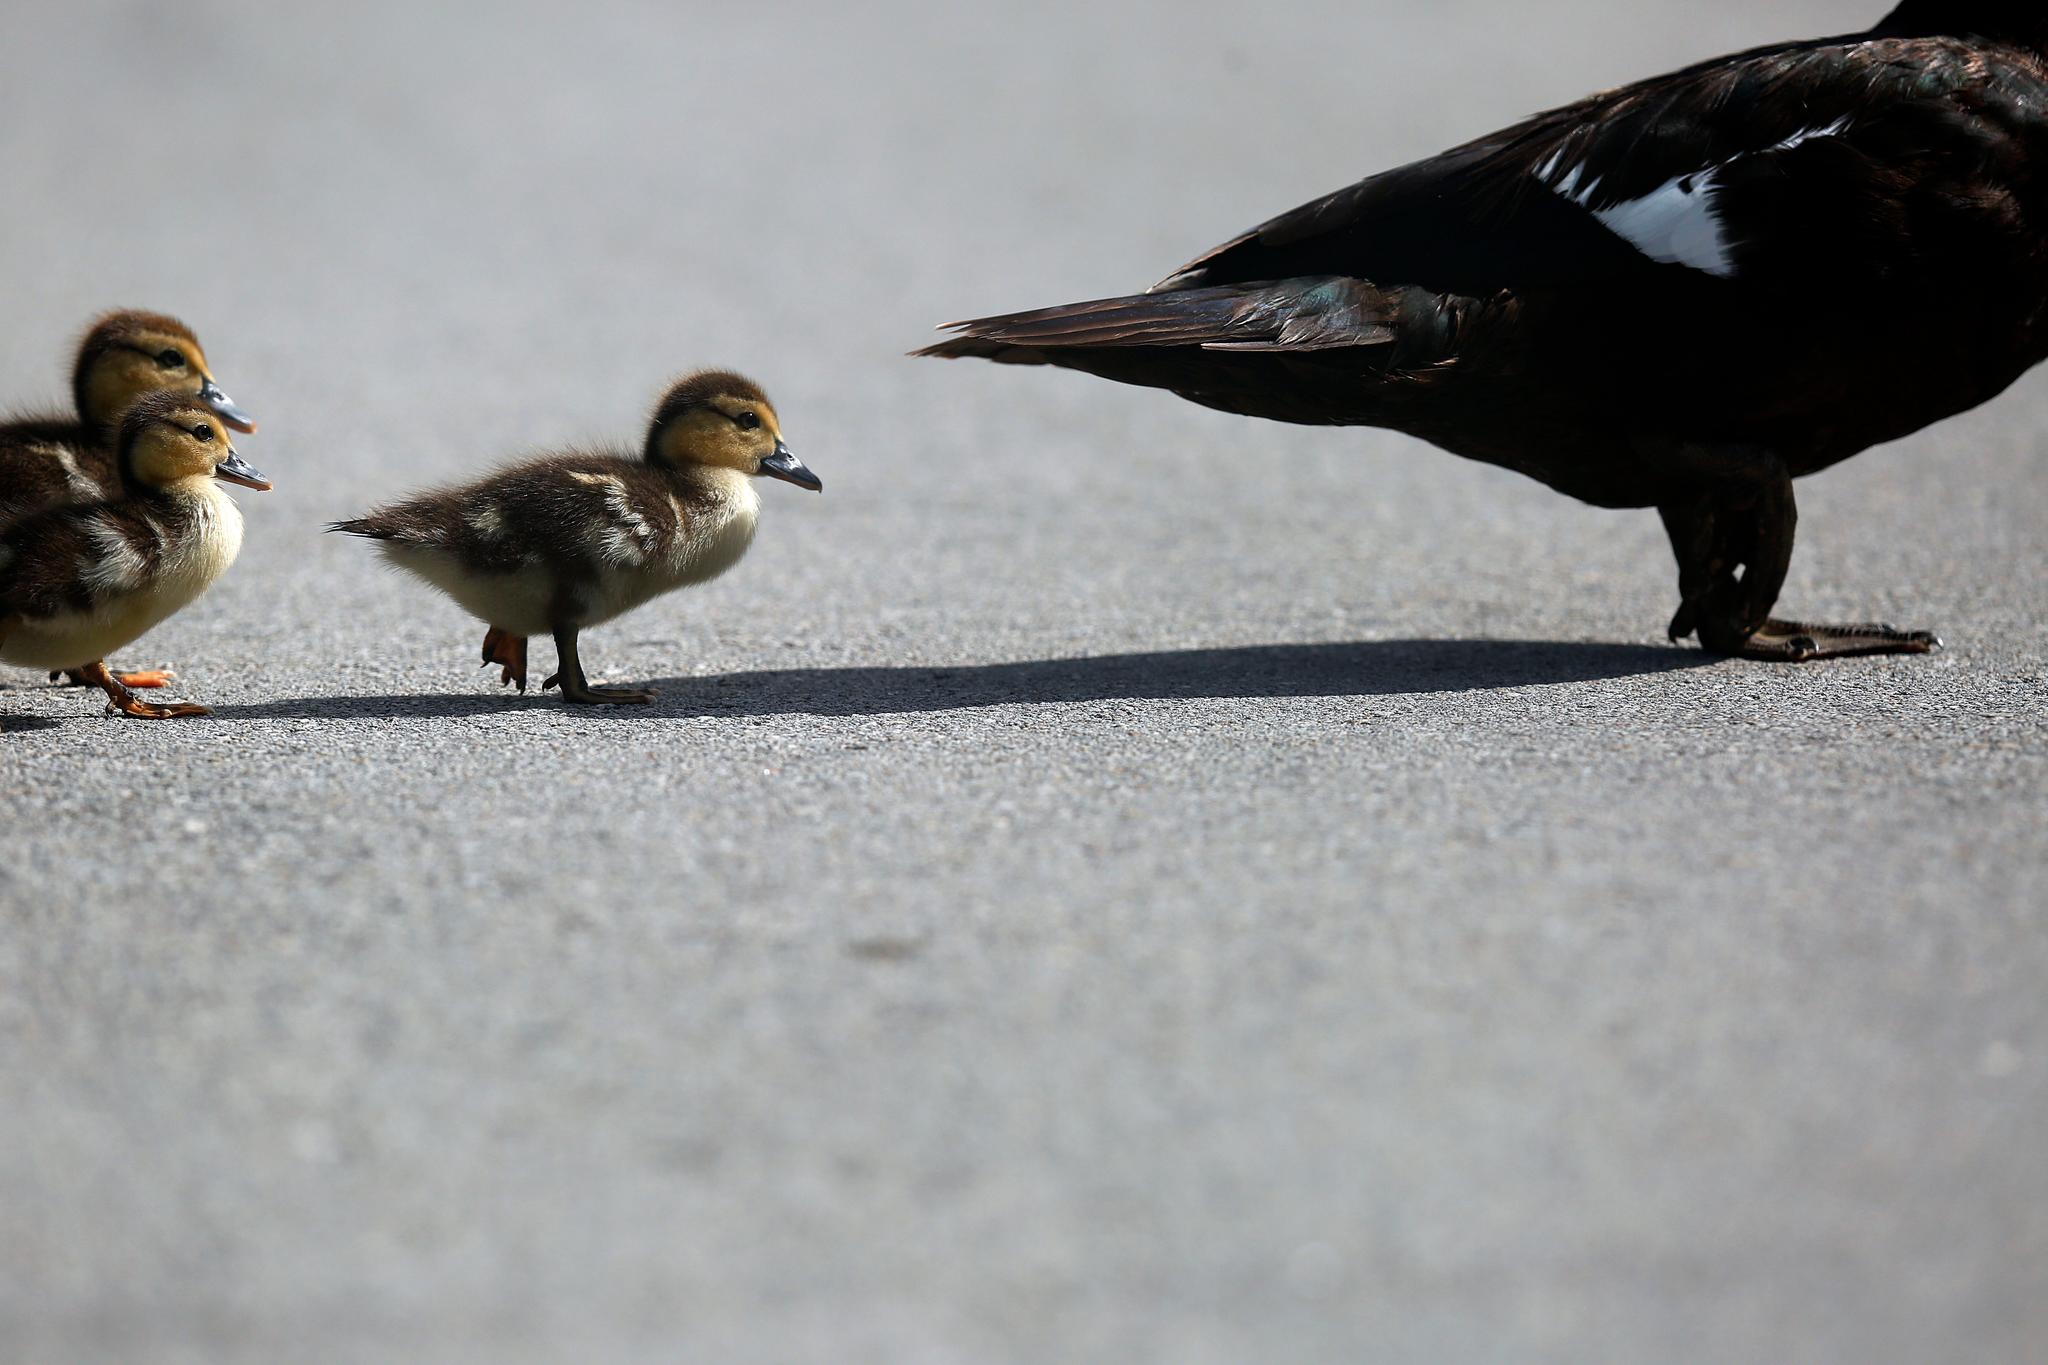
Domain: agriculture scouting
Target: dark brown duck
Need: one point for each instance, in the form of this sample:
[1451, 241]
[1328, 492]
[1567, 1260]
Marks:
[1681, 294]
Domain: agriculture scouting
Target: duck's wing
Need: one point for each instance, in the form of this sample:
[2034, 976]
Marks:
[613, 511]
[69, 559]
[1748, 163]
[46, 462]
[565, 509]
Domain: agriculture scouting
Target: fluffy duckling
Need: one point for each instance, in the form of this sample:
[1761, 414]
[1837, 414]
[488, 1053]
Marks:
[79, 581]
[47, 461]
[560, 543]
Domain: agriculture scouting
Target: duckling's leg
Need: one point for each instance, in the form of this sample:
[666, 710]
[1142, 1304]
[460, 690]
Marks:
[127, 703]
[569, 673]
[153, 677]
[1749, 523]
[508, 651]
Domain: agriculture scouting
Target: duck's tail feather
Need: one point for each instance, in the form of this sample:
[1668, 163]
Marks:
[391, 526]
[1309, 313]
[368, 527]
[1264, 350]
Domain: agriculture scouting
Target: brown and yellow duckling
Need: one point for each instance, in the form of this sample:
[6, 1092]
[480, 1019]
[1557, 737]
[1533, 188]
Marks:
[80, 581]
[50, 460]
[124, 356]
[560, 543]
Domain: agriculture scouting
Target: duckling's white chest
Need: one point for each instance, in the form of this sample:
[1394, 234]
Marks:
[720, 527]
[715, 528]
[204, 549]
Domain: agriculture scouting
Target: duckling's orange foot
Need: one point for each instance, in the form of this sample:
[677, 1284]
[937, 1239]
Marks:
[508, 651]
[1798, 642]
[153, 677]
[582, 693]
[123, 702]
[143, 710]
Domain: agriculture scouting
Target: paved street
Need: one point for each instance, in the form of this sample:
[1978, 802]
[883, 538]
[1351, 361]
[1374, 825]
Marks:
[1107, 881]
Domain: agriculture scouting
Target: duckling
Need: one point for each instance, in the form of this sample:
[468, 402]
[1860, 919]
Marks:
[79, 581]
[47, 461]
[561, 543]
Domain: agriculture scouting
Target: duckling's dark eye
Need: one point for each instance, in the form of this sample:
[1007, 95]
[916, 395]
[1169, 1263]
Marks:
[170, 360]
[748, 421]
[203, 432]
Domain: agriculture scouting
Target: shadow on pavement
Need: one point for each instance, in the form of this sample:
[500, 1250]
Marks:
[1377, 668]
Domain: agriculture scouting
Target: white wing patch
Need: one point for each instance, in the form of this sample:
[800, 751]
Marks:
[1677, 223]
[624, 537]
[79, 485]
[115, 566]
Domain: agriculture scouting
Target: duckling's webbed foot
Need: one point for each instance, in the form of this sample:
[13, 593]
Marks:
[603, 696]
[153, 677]
[575, 688]
[121, 700]
[1747, 523]
[508, 651]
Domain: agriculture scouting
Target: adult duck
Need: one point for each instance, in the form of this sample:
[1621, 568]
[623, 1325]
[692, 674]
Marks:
[1681, 294]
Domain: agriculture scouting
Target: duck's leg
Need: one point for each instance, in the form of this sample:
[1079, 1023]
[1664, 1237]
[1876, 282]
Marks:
[1746, 519]
[127, 703]
[152, 677]
[569, 673]
[508, 651]
[1690, 524]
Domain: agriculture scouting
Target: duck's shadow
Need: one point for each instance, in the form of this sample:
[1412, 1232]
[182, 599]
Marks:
[1377, 668]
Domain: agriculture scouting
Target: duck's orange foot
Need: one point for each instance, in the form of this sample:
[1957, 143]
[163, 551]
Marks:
[144, 710]
[123, 702]
[508, 651]
[149, 677]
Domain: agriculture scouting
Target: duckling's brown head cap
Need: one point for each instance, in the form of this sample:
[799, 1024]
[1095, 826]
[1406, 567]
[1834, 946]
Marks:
[126, 327]
[165, 406]
[694, 391]
[122, 329]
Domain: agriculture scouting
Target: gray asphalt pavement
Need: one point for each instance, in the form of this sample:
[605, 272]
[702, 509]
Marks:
[1106, 881]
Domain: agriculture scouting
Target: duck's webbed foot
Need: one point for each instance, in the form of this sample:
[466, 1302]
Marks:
[150, 677]
[508, 651]
[1746, 522]
[1799, 641]
[121, 700]
[575, 688]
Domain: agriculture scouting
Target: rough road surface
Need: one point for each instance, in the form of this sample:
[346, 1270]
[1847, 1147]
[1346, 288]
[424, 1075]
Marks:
[1107, 881]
